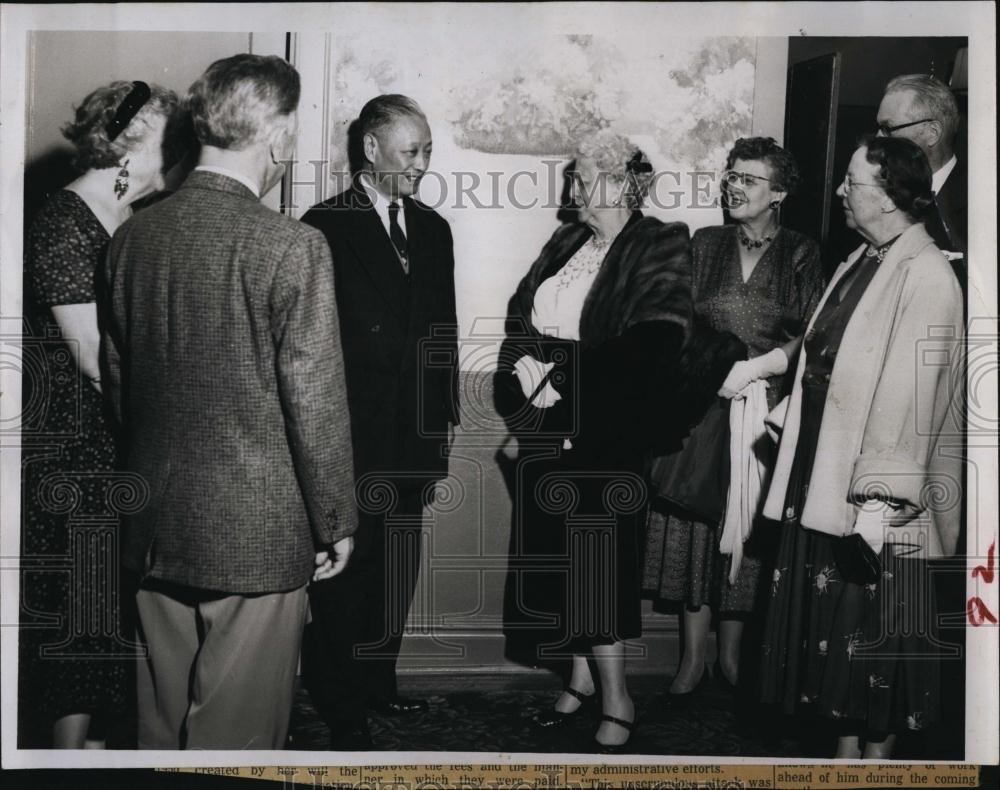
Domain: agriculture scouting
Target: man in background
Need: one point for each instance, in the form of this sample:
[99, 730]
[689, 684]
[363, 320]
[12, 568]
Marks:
[224, 364]
[923, 109]
[394, 267]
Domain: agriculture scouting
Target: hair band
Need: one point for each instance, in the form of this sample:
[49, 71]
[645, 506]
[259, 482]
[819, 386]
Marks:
[636, 165]
[128, 109]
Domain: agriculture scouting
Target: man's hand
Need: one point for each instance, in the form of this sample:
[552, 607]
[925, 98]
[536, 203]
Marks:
[326, 566]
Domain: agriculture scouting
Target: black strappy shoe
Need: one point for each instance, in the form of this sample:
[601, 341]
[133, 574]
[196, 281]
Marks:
[616, 748]
[554, 718]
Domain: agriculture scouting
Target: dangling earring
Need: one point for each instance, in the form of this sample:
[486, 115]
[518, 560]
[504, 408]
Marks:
[121, 181]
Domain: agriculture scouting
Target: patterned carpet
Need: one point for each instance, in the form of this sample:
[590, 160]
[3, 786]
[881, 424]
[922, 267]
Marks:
[492, 713]
[498, 719]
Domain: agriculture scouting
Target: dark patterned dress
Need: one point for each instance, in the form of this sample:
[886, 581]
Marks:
[73, 658]
[683, 564]
[851, 652]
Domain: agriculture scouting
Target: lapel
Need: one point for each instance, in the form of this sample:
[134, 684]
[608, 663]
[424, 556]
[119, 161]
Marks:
[949, 202]
[373, 249]
[871, 322]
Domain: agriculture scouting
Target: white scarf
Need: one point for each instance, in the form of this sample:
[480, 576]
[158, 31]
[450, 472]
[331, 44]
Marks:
[747, 470]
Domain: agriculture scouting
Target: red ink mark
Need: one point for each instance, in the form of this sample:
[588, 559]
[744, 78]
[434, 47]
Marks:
[978, 612]
[987, 572]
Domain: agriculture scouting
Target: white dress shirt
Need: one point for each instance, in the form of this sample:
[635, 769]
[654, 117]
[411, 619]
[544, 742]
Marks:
[381, 204]
[941, 175]
[225, 171]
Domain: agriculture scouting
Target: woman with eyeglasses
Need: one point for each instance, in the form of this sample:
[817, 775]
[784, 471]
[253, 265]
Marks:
[759, 281]
[865, 482]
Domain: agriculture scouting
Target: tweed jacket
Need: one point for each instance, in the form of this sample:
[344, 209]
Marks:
[399, 334]
[891, 427]
[223, 361]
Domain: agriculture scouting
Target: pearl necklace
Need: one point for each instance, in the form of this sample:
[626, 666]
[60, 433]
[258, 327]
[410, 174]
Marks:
[880, 252]
[752, 244]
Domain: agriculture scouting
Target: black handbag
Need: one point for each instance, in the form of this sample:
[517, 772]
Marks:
[695, 479]
[856, 560]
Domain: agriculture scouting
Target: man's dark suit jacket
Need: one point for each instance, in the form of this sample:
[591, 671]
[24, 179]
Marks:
[399, 334]
[948, 222]
[223, 361]
[953, 207]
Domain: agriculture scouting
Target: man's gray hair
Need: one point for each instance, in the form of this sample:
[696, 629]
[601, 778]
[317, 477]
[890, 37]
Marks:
[237, 100]
[384, 110]
[931, 98]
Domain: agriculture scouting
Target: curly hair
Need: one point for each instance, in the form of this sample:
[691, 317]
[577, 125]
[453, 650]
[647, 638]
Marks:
[87, 131]
[237, 98]
[784, 170]
[622, 160]
[904, 173]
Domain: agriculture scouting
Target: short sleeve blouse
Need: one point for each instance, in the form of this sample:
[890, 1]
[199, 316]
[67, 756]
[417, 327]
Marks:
[63, 249]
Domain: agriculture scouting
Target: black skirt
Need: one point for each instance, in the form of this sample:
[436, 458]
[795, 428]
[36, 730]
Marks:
[574, 577]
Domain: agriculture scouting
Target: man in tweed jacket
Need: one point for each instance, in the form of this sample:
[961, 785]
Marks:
[223, 361]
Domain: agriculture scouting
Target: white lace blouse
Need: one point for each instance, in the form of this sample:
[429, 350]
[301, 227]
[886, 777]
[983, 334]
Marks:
[559, 299]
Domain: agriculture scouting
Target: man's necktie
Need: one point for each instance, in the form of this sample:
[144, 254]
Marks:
[397, 236]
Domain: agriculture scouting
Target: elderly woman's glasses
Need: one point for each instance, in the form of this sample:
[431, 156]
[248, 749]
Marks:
[848, 183]
[886, 131]
[737, 179]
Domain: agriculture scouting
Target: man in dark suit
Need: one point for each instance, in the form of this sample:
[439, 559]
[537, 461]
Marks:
[394, 267]
[224, 365]
[923, 109]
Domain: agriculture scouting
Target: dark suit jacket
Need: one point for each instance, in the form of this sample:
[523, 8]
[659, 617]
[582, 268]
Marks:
[399, 334]
[948, 223]
[223, 362]
[953, 207]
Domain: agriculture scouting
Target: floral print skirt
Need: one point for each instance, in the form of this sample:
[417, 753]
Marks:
[868, 654]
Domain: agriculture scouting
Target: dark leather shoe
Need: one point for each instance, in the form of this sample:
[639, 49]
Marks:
[615, 748]
[352, 738]
[551, 719]
[397, 706]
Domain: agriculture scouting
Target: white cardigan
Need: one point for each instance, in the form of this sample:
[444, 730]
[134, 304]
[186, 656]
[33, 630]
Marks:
[892, 423]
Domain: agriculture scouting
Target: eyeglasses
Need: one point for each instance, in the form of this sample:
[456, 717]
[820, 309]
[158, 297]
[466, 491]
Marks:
[736, 178]
[886, 130]
[848, 183]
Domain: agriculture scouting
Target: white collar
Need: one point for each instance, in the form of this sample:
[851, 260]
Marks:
[942, 173]
[381, 203]
[225, 171]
